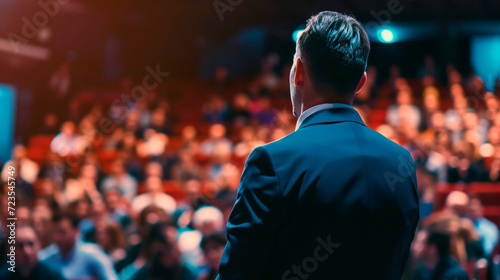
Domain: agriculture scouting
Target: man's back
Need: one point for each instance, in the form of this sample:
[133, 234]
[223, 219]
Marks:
[342, 205]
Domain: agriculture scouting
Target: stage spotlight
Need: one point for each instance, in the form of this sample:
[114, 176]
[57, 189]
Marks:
[386, 36]
[296, 34]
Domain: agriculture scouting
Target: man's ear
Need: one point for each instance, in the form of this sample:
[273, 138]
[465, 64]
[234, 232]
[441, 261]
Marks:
[362, 82]
[299, 72]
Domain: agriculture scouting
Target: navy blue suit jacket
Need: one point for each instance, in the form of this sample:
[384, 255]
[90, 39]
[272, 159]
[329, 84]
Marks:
[333, 200]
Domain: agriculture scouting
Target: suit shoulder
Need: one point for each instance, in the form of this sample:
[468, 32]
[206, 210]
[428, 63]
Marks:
[389, 144]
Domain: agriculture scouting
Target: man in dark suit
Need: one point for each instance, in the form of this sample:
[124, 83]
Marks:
[334, 199]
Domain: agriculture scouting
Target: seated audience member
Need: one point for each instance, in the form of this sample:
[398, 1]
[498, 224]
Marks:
[264, 114]
[113, 141]
[153, 168]
[213, 247]
[468, 235]
[110, 237]
[426, 184]
[42, 224]
[248, 142]
[121, 180]
[194, 199]
[67, 142]
[206, 220]
[159, 121]
[53, 169]
[187, 167]
[190, 139]
[486, 229]
[88, 226]
[216, 136]
[25, 167]
[139, 248]
[404, 113]
[117, 208]
[239, 114]
[456, 203]
[75, 259]
[51, 194]
[464, 165]
[153, 145]
[154, 195]
[164, 259]
[437, 263]
[27, 265]
[25, 172]
[494, 173]
[216, 110]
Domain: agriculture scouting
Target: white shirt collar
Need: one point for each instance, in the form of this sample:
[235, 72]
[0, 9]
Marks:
[307, 113]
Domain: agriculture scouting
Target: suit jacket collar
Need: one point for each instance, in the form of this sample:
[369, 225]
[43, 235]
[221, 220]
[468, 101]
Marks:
[339, 113]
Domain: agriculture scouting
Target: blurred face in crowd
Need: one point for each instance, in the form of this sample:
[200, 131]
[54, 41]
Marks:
[23, 215]
[89, 171]
[494, 135]
[82, 208]
[154, 169]
[99, 211]
[404, 97]
[241, 101]
[27, 247]
[456, 90]
[213, 253]
[68, 129]
[118, 167]
[438, 120]
[470, 120]
[154, 184]
[222, 153]
[189, 132]
[158, 117]
[457, 202]
[168, 252]
[247, 134]
[41, 221]
[491, 102]
[48, 187]
[18, 153]
[496, 120]
[460, 102]
[217, 131]
[192, 188]
[475, 209]
[65, 235]
[112, 198]
[431, 101]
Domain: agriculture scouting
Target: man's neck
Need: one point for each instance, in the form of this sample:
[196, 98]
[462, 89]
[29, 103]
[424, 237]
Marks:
[306, 104]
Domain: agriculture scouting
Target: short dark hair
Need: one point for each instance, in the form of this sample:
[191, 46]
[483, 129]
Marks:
[73, 219]
[335, 48]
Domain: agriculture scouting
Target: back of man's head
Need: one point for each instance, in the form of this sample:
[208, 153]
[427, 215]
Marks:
[335, 50]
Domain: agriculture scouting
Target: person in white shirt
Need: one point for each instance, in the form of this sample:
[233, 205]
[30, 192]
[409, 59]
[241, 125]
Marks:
[27, 169]
[120, 180]
[154, 195]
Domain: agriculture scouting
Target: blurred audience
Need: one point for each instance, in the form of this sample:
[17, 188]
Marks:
[145, 188]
